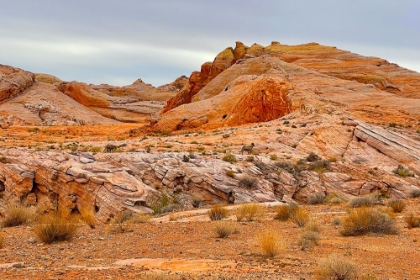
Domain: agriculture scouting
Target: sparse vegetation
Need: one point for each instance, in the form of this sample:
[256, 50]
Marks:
[308, 239]
[16, 215]
[414, 193]
[312, 157]
[4, 159]
[271, 243]
[218, 212]
[118, 224]
[55, 227]
[336, 268]
[364, 201]
[140, 218]
[230, 173]
[164, 204]
[316, 198]
[1, 240]
[248, 182]
[397, 205]
[224, 229]
[403, 172]
[274, 157]
[412, 221]
[363, 220]
[249, 212]
[229, 157]
[300, 217]
[250, 158]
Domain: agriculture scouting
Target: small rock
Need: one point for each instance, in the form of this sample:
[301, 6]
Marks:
[32, 240]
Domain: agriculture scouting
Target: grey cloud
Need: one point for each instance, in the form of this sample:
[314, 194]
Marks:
[126, 40]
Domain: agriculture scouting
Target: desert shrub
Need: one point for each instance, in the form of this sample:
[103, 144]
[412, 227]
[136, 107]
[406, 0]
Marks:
[55, 227]
[248, 182]
[271, 243]
[364, 201]
[316, 198]
[164, 204]
[250, 158]
[312, 157]
[403, 172]
[336, 221]
[1, 240]
[308, 239]
[140, 218]
[88, 217]
[274, 157]
[16, 215]
[118, 224]
[249, 212]
[364, 220]
[319, 166]
[397, 205]
[312, 226]
[300, 217]
[229, 157]
[337, 268]
[230, 173]
[218, 212]
[414, 193]
[282, 212]
[223, 229]
[165, 133]
[336, 200]
[412, 221]
[4, 159]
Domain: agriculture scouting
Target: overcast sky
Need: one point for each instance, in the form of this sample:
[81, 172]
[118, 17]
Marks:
[117, 42]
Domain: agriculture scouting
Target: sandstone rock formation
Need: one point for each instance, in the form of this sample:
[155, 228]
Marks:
[14, 81]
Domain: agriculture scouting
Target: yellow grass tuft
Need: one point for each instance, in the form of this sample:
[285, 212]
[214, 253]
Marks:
[300, 217]
[55, 227]
[17, 214]
[364, 220]
[271, 243]
[218, 212]
[249, 212]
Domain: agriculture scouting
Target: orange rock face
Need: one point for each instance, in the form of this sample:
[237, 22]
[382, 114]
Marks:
[14, 81]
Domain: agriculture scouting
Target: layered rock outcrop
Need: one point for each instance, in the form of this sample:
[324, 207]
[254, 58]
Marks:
[14, 81]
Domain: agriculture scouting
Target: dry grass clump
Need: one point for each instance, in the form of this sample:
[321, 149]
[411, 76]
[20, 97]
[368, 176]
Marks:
[364, 201]
[316, 198]
[118, 224]
[248, 182]
[397, 205]
[230, 173]
[300, 217]
[308, 239]
[403, 172]
[55, 227]
[224, 229]
[88, 217]
[414, 193]
[284, 211]
[17, 214]
[229, 157]
[412, 221]
[1, 240]
[336, 268]
[140, 218]
[218, 212]
[364, 220]
[160, 276]
[271, 243]
[249, 212]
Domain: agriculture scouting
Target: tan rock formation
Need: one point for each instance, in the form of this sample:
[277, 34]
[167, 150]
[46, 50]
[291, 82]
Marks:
[14, 81]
